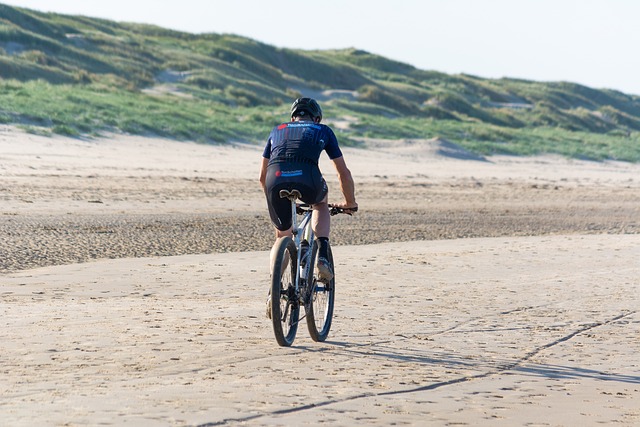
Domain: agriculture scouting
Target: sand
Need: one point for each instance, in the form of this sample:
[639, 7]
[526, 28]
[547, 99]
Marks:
[498, 291]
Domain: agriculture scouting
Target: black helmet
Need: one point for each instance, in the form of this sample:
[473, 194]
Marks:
[303, 106]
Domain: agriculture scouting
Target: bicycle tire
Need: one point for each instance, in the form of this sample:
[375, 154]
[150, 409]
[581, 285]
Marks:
[285, 307]
[320, 300]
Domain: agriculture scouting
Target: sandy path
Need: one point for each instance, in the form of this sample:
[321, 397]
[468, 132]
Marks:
[497, 331]
[66, 201]
[537, 325]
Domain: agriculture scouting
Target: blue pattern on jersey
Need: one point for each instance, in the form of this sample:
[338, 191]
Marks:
[301, 140]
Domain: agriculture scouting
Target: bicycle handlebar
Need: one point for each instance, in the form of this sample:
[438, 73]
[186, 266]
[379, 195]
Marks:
[334, 210]
[301, 208]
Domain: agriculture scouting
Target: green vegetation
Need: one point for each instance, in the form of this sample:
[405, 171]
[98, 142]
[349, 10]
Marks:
[84, 76]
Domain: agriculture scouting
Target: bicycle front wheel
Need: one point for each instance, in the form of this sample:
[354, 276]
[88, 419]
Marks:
[285, 307]
[319, 303]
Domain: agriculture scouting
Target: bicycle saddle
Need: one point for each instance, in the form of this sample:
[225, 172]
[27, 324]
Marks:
[290, 194]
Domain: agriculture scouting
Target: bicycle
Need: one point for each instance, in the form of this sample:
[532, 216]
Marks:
[294, 280]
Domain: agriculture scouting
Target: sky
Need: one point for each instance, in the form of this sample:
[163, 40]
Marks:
[591, 42]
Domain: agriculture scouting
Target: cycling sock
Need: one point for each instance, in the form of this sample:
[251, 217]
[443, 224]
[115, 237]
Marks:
[323, 247]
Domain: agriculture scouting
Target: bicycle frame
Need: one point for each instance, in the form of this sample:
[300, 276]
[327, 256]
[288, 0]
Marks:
[301, 231]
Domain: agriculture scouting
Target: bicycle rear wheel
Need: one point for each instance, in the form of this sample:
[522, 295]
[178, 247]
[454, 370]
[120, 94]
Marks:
[285, 307]
[320, 299]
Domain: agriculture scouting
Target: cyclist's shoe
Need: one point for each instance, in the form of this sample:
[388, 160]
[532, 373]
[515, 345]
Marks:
[325, 273]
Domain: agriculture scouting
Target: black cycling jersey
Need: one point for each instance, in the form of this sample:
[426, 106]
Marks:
[293, 150]
[301, 141]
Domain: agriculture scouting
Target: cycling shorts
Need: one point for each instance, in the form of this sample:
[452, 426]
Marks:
[302, 176]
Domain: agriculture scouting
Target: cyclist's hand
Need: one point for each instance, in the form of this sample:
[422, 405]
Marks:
[348, 208]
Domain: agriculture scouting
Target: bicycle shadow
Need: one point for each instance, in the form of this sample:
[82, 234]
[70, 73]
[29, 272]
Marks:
[484, 367]
[574, 372]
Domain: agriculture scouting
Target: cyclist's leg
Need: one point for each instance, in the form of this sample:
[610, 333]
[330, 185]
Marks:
[321, 219]
[279, 210]
[274, 250]
[280, 213]
[321, 223]
[272, 254]
[323, 263]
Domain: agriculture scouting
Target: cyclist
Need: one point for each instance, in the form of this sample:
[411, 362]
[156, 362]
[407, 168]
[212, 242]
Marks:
[290, 161]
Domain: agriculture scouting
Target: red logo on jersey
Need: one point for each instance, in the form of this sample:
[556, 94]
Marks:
[282, 126]
[278, 173]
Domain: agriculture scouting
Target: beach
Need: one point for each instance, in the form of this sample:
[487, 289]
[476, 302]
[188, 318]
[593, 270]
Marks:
[470, 291]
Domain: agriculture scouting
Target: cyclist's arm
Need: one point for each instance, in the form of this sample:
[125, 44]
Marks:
[346, 183]
[263, 173]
